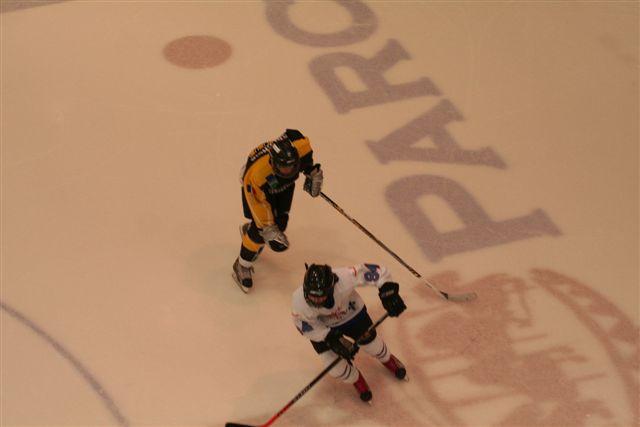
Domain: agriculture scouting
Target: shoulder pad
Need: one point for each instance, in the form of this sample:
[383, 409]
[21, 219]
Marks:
[259, 151]
[294, 134]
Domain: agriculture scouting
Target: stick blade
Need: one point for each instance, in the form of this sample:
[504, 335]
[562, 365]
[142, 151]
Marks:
[462, 297]
[237, 425]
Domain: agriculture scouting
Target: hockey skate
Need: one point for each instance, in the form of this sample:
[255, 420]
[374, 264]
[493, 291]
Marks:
[363, 388]
[242, 276]
[397, 368]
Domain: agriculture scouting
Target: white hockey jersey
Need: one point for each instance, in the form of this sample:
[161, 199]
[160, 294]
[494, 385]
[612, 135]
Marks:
[315, 322]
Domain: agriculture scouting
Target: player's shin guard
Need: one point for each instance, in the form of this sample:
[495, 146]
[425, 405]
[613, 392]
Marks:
[252, 243]
[363, 388]
[249, 256]
[342, 371]
[349, 374]
[396, 367]
[378, 349]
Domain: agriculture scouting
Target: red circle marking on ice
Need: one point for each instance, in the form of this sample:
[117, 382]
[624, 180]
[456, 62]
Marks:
[197, 52]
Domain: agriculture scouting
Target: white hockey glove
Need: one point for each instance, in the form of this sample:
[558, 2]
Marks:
[313, 181]
[272, 233]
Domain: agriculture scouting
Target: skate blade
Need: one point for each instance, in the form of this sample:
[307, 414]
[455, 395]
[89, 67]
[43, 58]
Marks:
[235, 279]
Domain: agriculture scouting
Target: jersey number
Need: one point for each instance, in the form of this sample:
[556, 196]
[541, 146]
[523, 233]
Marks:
[372, 275]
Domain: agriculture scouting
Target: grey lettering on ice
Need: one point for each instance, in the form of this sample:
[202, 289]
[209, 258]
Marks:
[371, 73]
[364, 24]
[398, 145]
[403, 195]
[480, 230]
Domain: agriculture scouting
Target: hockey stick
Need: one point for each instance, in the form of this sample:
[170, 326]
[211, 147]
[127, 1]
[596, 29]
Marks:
[311, 384]
[450, 297]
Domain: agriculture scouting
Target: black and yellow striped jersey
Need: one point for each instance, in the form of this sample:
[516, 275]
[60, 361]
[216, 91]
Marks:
[261, 184]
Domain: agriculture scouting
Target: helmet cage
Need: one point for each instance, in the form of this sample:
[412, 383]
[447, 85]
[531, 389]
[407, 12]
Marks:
[284, 158]
[319, 281]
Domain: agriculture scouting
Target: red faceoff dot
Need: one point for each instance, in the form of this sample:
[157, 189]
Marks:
[197, 52]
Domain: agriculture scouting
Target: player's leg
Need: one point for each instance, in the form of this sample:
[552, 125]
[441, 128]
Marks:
[281, 205]
[343, 371]
[252, 245]
[372, 343]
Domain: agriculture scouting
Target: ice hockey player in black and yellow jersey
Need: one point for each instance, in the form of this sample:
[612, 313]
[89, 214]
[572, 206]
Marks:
[268, 183]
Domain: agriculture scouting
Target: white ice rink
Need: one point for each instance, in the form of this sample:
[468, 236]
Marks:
[491, 145]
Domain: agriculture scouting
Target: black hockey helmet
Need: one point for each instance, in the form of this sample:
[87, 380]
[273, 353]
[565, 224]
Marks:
[284, 157]
[318, 284]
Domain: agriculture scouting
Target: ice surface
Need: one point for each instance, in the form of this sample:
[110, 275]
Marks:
[120, 211]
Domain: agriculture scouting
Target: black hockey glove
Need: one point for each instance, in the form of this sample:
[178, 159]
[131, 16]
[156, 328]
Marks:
[391, 300]
[340, 345]
[313, 181]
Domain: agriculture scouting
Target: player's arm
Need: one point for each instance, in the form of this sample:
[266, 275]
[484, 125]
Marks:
[318, 332]
[310, 328]
[303, 146]
[313, 173]
[388, 290]
[371, 275]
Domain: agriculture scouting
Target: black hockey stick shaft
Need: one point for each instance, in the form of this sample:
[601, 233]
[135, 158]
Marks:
[462, 297]
[311, 384]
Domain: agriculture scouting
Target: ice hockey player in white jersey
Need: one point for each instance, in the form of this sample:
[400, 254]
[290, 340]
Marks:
[326, 308]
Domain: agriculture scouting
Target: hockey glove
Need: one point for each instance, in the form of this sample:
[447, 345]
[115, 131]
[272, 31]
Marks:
[277, 239]
[313, 181]
[391, 300]
[340, 345]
